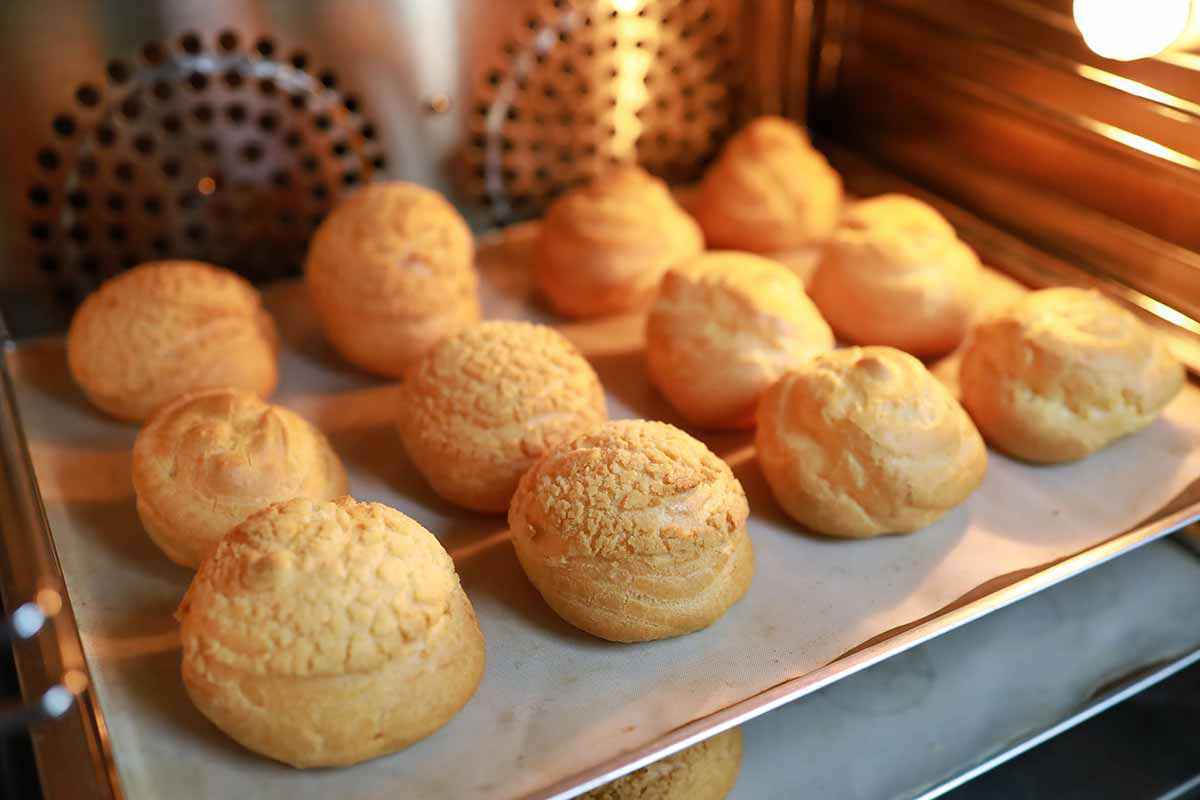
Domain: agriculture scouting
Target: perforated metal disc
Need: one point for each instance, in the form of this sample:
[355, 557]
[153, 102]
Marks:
[580, 86]
[207, 150]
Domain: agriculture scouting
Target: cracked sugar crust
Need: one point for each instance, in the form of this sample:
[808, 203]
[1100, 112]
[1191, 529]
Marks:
[169, 327]
[631, 488]
[508, 389]
[395, 250]
[480, 408]
[706, 771]
[209, 459]
[306, 589]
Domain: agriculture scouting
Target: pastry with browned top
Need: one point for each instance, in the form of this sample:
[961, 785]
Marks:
[722, 329]
[1063, 372]
[602, 249]
[485, 404]
[324, 634]
[704, 771]
[634, 531]
[210, 459]
[769, 190]
[865, 441]
[166, 328]
[894, 273]
[390, 274]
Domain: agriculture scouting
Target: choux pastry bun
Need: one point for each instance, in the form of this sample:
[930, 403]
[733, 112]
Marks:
[391, 273]
[634, 531]
[602, 249]
[166, 328]
[324, 634]
[704, 771]
[210, 459]
[723, 328]
[864, 441]
[1062, 373]
[769, 190]
[483, 405]
[894, 273]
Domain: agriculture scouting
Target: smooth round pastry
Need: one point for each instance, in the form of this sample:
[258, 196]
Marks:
[482, 406]
[166, 328]
[210, 459]
[1063, 372]
[864, 441]
[769, 190]
[390, 274]
[602, 249]
[722, 329]
[324, 634]
[634, 531]
[894, 273]
[705, 771]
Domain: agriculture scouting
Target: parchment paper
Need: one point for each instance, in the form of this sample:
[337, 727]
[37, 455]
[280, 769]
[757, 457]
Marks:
[554, 701]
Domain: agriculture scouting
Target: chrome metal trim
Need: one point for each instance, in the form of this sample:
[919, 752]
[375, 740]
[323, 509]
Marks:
[53, 660]
[858, 660]
[1138, 682]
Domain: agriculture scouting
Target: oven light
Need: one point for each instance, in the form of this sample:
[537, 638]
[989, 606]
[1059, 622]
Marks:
[1126, 30]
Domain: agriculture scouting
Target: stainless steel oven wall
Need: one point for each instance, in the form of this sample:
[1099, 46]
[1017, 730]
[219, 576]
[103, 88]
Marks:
[225, 129]
[1001, 107]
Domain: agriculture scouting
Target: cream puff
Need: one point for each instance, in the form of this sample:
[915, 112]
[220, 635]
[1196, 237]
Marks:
[166, 328]
[864, 441]
[480, 408]
[391, 273]
[324, 634]
[1063, 372]
[723, 328]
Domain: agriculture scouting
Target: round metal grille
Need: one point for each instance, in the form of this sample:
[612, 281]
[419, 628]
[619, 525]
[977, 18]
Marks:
[220, 151]
[580, 86]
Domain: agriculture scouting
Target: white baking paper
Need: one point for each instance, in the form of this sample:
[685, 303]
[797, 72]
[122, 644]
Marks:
[554, 701]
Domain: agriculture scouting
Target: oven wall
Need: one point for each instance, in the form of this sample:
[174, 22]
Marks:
[1001, 107]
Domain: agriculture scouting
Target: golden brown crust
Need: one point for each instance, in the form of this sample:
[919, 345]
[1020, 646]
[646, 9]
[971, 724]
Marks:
[634, 531]
[705, 771]
[208, 460]
[166, 328]
[864, 441]
[324, 634]
[391, 273]
[894, 273]
[480, 408]
[769, 190]
[722, 329]
[602, 249]
[1062, 373]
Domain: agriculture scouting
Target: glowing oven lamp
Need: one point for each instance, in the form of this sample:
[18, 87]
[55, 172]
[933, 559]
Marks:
[1126, 30]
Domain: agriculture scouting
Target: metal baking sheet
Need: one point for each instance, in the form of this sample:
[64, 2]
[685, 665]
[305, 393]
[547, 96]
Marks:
[559, 710]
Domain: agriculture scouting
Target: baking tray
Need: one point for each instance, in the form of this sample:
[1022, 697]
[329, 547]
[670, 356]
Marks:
[559, 711]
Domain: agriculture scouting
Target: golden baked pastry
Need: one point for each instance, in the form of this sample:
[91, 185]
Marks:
[723, 328]
[1062, 373]
[634, 531]
[391, 273]
[166, 328]
[704, 771]
[894, 273]
[482, 406]
[324, 634]
[602, 249]
[210, 459]
[864, 441]
[769, 190]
